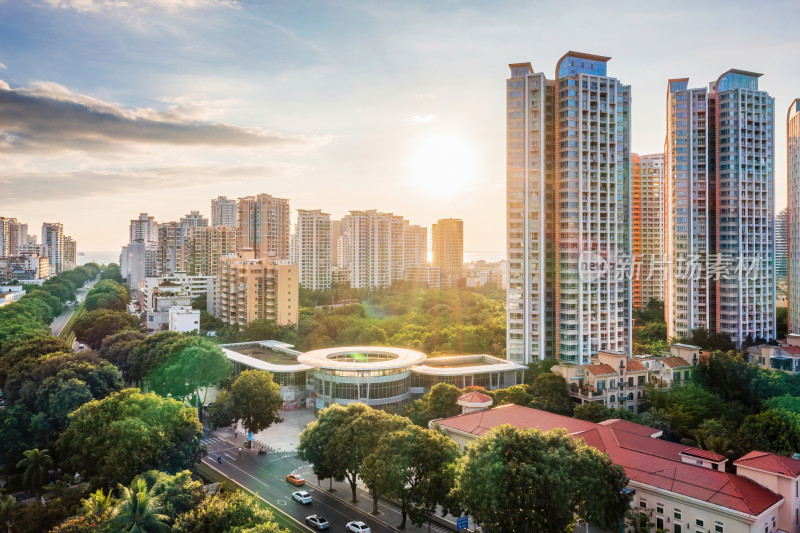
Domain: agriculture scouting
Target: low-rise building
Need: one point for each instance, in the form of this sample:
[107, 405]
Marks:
[427, 275]
[159, 302]
[10, 294]
[681, 488]
[618, 382]
[184, 319]
[780, 357]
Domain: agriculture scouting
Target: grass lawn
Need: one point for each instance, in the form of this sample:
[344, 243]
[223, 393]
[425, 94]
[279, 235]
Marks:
[212, 476]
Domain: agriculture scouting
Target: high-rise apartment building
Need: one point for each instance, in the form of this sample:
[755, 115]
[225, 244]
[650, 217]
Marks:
[17, 235]
[313, 249]
[781, 239]
[53, 239]
[144, 228]
[447, 237]
[372, 248]
[719, 172]
[206, 246]
[416, 245]
[647, 228]
[174, 241]
[5, 236]
[569, 205]
[793, 214]
[70, 257]
[264, 226]
[257, 289]
[223, 212]
[336, 233]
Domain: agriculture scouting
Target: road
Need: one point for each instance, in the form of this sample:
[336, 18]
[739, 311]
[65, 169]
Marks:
[266, 475]
[61, 320]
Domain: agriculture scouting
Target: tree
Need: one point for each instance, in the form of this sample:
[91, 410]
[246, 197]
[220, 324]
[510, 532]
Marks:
[235, 512]
[92, 327]
[549, 393]
[315, 439]
[7, 505]
[108, 294]
[781, 322]
[98, 504]
[191, 370]
[179, 493]
[30, 348]
[440, 402]
[138, 511]
[111, 272]
[254, 399]
[774, 430]
[528, 480]
[593, 412]
[115, 438]
[414, 466]
[37, 464]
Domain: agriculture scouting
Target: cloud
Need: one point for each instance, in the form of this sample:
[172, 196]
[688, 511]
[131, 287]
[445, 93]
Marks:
[31, 186]
[95, 6]
[49, 117]
[2, 66]
[422, 119]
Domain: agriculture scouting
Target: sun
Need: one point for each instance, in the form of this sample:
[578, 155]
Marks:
[442, 165]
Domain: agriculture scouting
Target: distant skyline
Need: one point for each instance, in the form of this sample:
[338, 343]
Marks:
[109, 108]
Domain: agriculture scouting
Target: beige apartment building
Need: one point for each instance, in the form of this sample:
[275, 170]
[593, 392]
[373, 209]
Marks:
[253, 288]
[448, 245]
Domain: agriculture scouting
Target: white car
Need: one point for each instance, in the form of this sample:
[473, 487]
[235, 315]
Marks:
[317, 521]
[358, 527]
[302, 497]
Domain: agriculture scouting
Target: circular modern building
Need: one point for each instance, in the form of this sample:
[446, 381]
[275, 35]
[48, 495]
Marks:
[376, 376]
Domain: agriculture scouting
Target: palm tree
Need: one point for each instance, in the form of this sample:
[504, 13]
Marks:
[36, 463]
[7, 505]
[98, 503]
[138, 511]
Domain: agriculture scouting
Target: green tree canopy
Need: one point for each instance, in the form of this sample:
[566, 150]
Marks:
[549, 393]
[254, 399]
[440, 402]
[191, 370]
[115, 438]
[36, 464]
[235, 512]
[528, 480]
[139, 511]
[108, 294]
[92, 327]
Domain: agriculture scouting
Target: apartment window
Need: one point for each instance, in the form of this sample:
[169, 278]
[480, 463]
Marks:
[698, 522]
[676, 528]
[718, 527]
[660, 508]
[642, 503]
[676, 514]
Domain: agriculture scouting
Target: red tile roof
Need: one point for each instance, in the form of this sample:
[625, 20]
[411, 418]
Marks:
[675, 362]
[770, 462]
[654, 462]
[601, 369]
[635, 366]
[794, 350]
[474, 397]
[703, 454]
[631, 427]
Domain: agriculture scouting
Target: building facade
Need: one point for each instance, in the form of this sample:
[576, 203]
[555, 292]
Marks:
[206, 246]
[568, 204]
[447, 237]
[264, 226]
[720, 208]
[781, 241]
[257, 289]
[53, 239]
[144, 228]
[313, 252]
[223, 212]
[70, 257]
[647, 216]
[416, 245]
[372, 248]
[793, 213]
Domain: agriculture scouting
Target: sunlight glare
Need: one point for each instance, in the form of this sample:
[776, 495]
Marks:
[443, 165]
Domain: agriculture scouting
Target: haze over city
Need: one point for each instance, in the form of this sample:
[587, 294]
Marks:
[110, 108]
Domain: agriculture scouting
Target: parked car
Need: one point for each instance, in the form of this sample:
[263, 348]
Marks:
[317, 522]
[296, 479]
[302, 497]
[358, 527]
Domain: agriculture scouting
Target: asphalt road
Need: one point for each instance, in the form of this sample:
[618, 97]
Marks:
[266, 475]
[61, 320]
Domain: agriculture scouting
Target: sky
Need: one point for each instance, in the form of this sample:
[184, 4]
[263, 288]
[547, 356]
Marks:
[109, 108]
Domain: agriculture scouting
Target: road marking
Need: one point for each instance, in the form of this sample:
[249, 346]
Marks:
[281, 502]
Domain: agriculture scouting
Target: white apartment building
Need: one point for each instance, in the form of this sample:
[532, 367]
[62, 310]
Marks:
[53, 238]
[781, 240]
[569, 203]
[13, 235]
[372, 248]
[144, 228]
[184, 319]
[313, 249]
[720, 208]
[223, 212]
